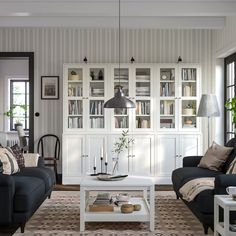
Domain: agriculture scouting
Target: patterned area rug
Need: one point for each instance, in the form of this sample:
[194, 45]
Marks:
[60, 216]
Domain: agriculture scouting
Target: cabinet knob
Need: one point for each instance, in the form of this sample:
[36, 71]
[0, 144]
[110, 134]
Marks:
[176, 155]
[180, 155]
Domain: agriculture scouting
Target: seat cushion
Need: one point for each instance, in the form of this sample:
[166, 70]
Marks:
[28, 193]
[181, 176]
[43, 173]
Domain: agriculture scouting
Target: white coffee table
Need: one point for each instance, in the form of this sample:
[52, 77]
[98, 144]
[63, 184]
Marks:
[130, 183]
[228, 204]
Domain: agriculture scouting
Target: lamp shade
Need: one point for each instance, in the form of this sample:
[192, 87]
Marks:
[119, 101]
[208, 106]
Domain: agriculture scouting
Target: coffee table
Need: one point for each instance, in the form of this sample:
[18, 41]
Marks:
[131, 183]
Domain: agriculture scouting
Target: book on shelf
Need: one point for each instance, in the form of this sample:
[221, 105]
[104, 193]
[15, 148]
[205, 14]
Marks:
[167, 107]
[97, 122]
[121, 122]
[167, 89]
[189, 73]
[96, 107]
[143, 107]
[75, 107]
[75, 122]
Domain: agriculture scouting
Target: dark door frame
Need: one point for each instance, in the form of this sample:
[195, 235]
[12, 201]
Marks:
[30, 57]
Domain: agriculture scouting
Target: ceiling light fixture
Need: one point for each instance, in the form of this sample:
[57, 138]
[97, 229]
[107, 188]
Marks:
[119, 100]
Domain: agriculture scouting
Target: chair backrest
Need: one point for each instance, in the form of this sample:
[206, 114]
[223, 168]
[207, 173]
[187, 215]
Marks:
[49, 140]
[22, 138]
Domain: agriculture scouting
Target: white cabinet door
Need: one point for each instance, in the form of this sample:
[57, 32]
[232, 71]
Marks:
[142, 155]
[189, 146]
[96, 147]
[73, 158]
[167, 149]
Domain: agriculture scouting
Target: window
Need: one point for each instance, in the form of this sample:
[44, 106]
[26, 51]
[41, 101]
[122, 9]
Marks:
[230, 92]
[19, 103]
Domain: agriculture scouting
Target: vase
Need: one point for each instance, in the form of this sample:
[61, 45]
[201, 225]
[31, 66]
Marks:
[115, 165]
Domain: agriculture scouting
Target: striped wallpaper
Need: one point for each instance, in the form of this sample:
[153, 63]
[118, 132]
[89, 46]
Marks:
[55, 46]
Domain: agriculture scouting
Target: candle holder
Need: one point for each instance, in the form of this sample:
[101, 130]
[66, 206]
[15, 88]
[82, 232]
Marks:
[94, 171]
[106, 167]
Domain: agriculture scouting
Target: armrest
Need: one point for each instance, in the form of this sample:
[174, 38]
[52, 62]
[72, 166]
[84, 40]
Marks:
[7, 191]
[223, 181]
[191, 161]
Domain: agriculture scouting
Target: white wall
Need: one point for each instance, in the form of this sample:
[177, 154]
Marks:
[55, 46]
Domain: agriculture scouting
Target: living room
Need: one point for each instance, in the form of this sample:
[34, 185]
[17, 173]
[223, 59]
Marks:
[90, 47]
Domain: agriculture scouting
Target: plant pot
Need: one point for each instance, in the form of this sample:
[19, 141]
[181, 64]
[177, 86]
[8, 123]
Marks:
[17, 124]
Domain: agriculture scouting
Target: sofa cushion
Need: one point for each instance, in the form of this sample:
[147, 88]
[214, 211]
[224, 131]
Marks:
[215, 157]
[181, 176]
[45, 174]
[17, 152]
[28, 193]
[232, 167]
[9, 162]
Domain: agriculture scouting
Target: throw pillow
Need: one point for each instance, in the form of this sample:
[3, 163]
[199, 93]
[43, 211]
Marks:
[9, 162]
[31, 159]
[215, 157]
[17, 152]
[232, 167]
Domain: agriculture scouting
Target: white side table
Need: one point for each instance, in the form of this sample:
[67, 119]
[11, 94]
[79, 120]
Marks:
[227, 204]
[131, 183]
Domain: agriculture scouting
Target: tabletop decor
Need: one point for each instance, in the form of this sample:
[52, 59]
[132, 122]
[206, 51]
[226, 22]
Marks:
[119, 146]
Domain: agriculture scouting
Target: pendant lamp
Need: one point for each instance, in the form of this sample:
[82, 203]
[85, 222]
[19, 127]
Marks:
[119, 100]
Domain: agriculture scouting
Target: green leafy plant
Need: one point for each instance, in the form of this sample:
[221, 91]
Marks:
[231, 106]
[122, 143]
[11, 112]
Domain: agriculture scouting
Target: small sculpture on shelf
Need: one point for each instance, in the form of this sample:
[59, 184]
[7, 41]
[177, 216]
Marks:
[100, 75]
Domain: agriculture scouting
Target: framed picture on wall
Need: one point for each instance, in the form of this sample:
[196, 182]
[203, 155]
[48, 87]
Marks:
[49, 87]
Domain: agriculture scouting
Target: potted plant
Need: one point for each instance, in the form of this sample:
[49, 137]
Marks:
[120, 145]
[231, 106]
[12, 112]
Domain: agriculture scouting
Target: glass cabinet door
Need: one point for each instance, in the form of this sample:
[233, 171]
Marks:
[189, 97]
[143, 97]
[167, 98]
[96, 97]
[75, 98]
[121, 115]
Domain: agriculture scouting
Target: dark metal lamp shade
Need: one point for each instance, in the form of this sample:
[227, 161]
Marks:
[119, 101]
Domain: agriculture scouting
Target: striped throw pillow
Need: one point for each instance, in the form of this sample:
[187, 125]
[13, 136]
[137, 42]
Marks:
[9, 162]
[232, 167]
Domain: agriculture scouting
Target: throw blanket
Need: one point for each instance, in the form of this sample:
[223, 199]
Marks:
[193, 187]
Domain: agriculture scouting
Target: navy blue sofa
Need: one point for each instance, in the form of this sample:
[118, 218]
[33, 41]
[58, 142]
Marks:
[21, 194]
[203, 204]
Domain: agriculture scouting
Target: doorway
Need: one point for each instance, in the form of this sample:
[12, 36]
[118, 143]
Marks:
[29, 56]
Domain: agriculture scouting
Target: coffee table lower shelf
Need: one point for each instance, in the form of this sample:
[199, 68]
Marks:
[136, 216]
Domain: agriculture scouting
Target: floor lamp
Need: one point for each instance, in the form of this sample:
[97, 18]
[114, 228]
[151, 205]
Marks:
[208, 108]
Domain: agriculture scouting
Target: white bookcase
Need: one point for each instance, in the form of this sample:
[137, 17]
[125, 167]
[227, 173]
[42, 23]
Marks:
[164, 124]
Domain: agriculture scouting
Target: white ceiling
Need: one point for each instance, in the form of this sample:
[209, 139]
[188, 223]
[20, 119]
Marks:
[104, 13]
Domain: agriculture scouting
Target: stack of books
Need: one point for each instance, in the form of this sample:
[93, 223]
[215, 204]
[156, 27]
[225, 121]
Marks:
[103, 202]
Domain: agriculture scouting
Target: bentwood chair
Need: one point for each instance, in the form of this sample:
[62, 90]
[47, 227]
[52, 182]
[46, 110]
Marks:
[49, 149]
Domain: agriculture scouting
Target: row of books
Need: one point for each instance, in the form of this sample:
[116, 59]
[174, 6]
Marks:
[75, 122]
[97, 92]
[189, 74]
[143, 107]
[75, 107]
[167, 89]
[96, 107]
[97, 122]
[167, 108]
[167, 123]
[143, 91]
[121, 122]
[142, 123]
[75, 90]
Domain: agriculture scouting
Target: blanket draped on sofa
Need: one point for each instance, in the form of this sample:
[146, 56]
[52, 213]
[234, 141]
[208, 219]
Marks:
[193, 187]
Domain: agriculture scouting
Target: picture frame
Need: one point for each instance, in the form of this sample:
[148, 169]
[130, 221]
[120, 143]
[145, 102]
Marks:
[50, 87]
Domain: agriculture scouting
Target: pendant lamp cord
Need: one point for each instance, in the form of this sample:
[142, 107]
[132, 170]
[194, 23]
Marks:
[119, 43]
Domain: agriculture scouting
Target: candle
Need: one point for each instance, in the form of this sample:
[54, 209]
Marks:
[106, 157]
[94, 161]
[101, 152]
